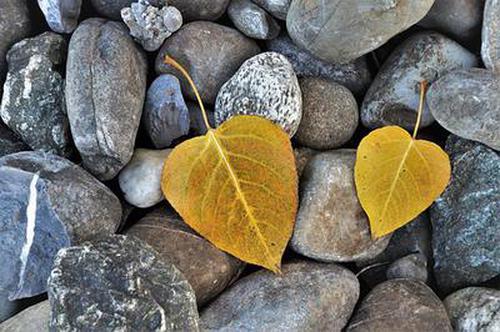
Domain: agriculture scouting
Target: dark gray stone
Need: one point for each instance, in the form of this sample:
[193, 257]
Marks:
[413, 266]
[302, 157]
[465, 219]
[198, 126]
[111, 8]
[252, 20]
[193, 10]
[393, 97]
[467, 103]
[33, 104]
[35, 318]
[61, 15]
[307, 296]
[490, 45]
[119, 283]
[46, 203]
[211, 53]
[10, 142]
[277, 8]
[105, 89]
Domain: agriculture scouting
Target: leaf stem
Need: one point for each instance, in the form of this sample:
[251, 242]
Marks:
[170, 61]
[421, 104]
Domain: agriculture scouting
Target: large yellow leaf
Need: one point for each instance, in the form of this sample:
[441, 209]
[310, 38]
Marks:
[237, 187]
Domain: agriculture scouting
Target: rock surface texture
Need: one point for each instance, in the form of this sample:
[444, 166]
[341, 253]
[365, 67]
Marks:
[35, 318]
[277, 8]
[490, 44]
[61, 15]
[111, 8]
[252, 20]
[413, 266]
[204, 10]
[10, 142]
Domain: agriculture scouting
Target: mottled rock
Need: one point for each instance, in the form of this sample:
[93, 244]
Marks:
[277, 8]
[105, 89]
[400, 305]
[465, 224]
[193, 10]
[119, 283]
[210, 52]
[302, 157]
[305, 297]
[61, 15]
[341, 31]
[197, 123]
[140, 180]
[111, 8]
[208, 269]
[7, 308]
[329, 116]
[413, 266]
[35, 318]
[252, 20]
[490, 38]
[331, 225]
[10, 142]
[265, 85]
[46, 203]
[393, 97]
[33, 104]
[474, 309]
[166, 116]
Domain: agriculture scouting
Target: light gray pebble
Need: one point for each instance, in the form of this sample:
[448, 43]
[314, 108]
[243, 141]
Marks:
[277, 8]
[490, 39]
[252, 20]
[61, 15]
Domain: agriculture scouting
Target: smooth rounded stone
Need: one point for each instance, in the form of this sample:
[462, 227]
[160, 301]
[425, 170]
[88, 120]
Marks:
[331, 225]
[34, 318]
[353, 75]
[151, 25]
[33, 104]
[197, 123]
[467, 103]
[341, 31]
[119, 283]
[302, 157]
[61, 15]
[140, 180]
[105, 89]
[474, 309]
[46, 203]
[393, 97]
[490, 38]
[10, 142]
[208, 269]
[111, 8]
[307, 296]
[400, 305]
[465, 227]
[252, 20]
[210, 52]
[205, 10]
[413, 266]
[329, 116]
[266, 86]
[277, 8]
[166, 115]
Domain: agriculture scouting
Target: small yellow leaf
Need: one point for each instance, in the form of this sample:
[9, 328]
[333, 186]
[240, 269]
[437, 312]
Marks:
[237, 187]
[398, 177]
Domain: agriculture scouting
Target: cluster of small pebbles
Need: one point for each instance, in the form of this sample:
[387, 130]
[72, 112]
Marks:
[89, 111]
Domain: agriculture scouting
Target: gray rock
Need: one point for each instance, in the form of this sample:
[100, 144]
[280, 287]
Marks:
[353, 75]
[490, 45]
[330, 114]
[393, 97]
[277, 8]
[61, 15]
[33, 104]
[331, 225]
[166, 116]
[197, 122]
[265, 85]
[105, 89]
[400, 305]
[193, 10]
[465, 219]
[10, 142]
[35, 318]
[211, 53]
[140, 180]
[119, 283]
[208, 269]
[413, 266]
[252, 20]
[46, 203]
[341, 31]
[305, 297]
[7, 308]
[111, 8]
[302, 157]
[467, 103]
[474, 309]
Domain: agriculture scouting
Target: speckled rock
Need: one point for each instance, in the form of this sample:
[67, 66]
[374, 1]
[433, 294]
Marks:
[400, 305]
[119, 283]
[193, 10]
[353, 75]
[393, 97]
[331, 225]
[35, 318]
[474, 309]
[277, 8]
[61, 15]
[305, 297]
[467, 103]
[265, 85]
[328, 28]
[105, 89]
[302, 157]
[465, 219]
[10, 142]
[252, 20]
[197, 123]
[413, 266]
[208, 269]
[210, 52]
[110, 8]
[46, 203]
[490, 38]
[329, 116]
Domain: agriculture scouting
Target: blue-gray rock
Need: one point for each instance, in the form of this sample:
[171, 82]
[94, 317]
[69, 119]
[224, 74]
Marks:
[203, 10]
[10, 142]
[393, 97]
[465, 219]
[46, 203]
[166, 116]
[61, 15]
[413, 266]
[119, 283]
[490, 45]
[34, 318]
[252, 20]
[33, 104]
[277, 8]
[105, 90]
[110, 8]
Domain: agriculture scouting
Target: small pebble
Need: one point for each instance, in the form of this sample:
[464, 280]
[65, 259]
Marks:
[61, 15]
[413, 266]
[252, 20]
[197, 123]
[490, 43]
[302, 157]
[277, 8]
